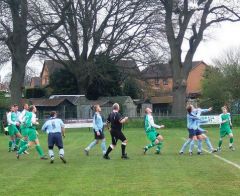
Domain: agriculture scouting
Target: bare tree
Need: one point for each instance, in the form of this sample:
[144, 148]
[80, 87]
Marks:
[230, 56]
[19, 33]
[30, 72]
[189, 19]
[113, 28]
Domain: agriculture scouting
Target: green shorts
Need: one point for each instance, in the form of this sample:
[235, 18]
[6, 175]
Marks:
[24, 131]
[12, 130]
[152, 135]
[225, 131]
[32, 135]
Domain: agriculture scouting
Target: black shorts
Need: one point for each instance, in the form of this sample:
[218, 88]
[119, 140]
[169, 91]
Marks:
[191, 132]
[99, 137]
[198, 132]
[117, 135]
[55, 139]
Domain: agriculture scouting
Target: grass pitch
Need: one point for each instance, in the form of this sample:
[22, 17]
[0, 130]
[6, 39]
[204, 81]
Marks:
[150, 174]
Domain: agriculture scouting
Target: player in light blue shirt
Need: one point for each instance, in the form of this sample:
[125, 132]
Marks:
[54, 127]
[202, 132]
[98, 131]
[192, 126]
[195, 124]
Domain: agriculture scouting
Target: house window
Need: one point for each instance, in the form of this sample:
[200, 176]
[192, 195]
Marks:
[157, 81]
[165, 82]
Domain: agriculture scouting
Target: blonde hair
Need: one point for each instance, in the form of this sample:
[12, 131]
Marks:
[95, 107]
[224, 107]
[116, 106]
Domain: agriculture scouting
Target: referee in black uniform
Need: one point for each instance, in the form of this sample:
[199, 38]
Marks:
[116, 120]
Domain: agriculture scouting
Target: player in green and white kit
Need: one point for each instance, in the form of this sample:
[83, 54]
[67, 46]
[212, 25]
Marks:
[30, 122]
[150, 128]
[12, 129]
[225, 128]
[23, 127]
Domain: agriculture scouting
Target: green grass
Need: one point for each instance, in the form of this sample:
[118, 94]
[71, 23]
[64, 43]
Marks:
[166, 174]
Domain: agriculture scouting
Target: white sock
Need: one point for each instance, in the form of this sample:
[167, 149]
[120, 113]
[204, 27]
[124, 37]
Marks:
[51, 153]
[61, 152]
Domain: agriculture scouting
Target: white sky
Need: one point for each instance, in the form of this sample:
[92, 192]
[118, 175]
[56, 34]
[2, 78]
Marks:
[220, 39]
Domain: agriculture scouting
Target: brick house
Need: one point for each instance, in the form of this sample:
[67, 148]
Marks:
[35, 82]
[159, 82]
[49, 66]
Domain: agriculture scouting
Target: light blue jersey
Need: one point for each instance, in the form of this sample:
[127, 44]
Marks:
[97, 122]
[53, 125]
[192, 121]
[198, 113]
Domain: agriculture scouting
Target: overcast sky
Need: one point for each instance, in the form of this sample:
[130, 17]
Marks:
[219, 39]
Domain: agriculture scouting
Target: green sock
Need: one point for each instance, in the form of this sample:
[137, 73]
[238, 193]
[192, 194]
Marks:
[159, 146]
[22, 143]
[150, 145]
[220, 143]
[17, 141]
[10, 144]
[231, 140]
[22, 149]
[40, 150]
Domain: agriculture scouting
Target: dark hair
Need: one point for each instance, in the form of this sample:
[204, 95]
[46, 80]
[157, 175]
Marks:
[189, 108]
[15, 105]
[53, 113]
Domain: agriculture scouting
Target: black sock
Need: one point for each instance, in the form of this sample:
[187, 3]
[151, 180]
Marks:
[108, 151]
[123, 149]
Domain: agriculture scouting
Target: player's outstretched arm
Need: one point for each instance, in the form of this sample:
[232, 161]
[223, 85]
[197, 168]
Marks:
[151, 121]
[124, 120]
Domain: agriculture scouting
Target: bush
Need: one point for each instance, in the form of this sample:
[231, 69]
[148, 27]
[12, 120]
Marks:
[168, 122]
[34, 93]
[174, 123]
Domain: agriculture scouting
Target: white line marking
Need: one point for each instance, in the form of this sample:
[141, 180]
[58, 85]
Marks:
[221, 158]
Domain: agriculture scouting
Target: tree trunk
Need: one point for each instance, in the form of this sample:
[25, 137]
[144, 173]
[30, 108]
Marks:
[179, 85]
[179, 101]
[17, 80]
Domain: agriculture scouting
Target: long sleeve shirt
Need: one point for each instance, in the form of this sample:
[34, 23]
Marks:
[149, 123]
[12, 118]
[97, 122]
[198, 113]
[192, 121]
